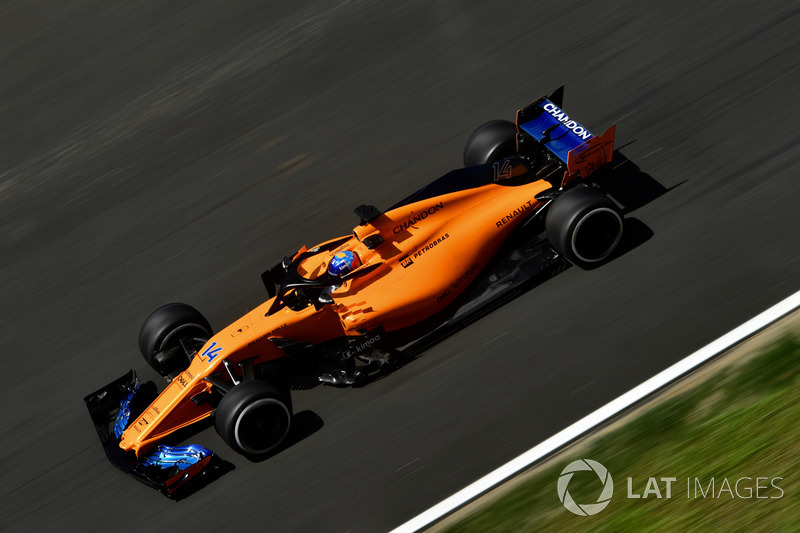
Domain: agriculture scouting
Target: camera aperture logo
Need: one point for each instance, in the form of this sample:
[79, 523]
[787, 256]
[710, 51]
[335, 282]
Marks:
[586, 509]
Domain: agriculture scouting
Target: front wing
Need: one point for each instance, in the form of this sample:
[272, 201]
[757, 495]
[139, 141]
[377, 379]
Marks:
[172, 470]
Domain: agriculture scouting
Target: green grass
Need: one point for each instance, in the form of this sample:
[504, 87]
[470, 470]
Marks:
[742, 422]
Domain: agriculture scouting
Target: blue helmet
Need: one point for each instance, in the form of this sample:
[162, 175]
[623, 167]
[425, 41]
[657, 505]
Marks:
[343, 263]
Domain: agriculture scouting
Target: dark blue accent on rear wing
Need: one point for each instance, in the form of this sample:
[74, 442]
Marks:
[550, 125]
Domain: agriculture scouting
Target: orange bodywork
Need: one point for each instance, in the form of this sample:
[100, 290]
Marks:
[431, 251]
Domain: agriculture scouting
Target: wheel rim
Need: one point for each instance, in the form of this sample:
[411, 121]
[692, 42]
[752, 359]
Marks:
[262, 426]
[596, 235]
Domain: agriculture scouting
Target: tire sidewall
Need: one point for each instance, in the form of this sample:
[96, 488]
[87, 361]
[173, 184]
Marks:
[490, 142]
[567, 216]
[167, 323]
[580, 220]
[239, 406]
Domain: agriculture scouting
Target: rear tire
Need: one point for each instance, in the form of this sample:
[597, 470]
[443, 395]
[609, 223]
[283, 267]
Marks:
[584, 226]
[169, 333]
[254, 418]
[491, 142]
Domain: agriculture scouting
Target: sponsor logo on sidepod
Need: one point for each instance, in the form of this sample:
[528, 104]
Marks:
[431, 245]
[514, 214]
[422, 215]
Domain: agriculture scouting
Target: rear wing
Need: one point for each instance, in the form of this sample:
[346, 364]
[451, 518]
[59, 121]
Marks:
[580, 152]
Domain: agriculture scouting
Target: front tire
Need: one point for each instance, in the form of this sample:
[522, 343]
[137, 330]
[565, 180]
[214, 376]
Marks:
[584, 226]
[491, 142]
[170, 335]
[254, 418]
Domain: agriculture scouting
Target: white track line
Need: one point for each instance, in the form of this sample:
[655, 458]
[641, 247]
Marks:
[591, 421]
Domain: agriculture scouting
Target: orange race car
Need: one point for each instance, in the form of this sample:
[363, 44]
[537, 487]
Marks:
[350, 308]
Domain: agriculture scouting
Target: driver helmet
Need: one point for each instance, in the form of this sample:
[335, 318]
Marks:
[343, 263]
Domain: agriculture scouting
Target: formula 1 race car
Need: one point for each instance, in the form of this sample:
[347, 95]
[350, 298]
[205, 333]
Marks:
[349, 309]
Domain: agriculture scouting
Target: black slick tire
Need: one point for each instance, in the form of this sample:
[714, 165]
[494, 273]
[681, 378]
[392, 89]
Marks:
[491, 142]
[584, 226]
[253, 418]
[167, 331]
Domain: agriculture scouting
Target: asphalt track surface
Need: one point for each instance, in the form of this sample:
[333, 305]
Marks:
[170, 151]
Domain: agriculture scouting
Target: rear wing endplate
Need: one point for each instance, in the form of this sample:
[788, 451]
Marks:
[590, 156]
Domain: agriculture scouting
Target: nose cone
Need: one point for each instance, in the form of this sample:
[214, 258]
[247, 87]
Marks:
[211, 351]
[173, 408]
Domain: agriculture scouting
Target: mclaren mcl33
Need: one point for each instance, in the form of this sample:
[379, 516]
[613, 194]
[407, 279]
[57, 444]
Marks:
[344, 311]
